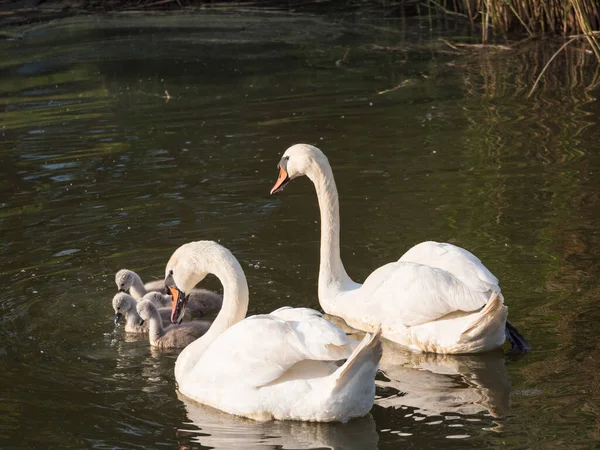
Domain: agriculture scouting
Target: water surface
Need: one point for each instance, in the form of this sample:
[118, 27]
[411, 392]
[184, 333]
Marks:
[126, 136]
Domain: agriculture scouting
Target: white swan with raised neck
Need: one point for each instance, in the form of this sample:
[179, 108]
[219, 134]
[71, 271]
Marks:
[437, 298]
[271, 366]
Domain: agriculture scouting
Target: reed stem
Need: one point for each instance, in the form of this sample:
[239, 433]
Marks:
[535, 17]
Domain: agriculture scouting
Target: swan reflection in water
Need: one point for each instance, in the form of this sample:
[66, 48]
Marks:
[436, 384]
[427, 384]
[223, 431]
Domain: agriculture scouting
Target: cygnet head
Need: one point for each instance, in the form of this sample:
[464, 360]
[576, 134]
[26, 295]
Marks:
[158, 299]
[125, 279]
[146, 309]
[122, 304]
[298, 160]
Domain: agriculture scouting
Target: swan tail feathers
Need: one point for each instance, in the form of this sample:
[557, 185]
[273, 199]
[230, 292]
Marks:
[516, 339]
[493, 313]
[365, 356]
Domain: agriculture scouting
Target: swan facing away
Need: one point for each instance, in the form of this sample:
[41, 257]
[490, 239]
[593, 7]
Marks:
[437, 298]
[200, 302]
[284, 365]
[173, 336]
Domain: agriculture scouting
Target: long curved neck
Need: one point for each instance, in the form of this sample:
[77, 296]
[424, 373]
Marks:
[234, 309]
[133, 319]
[155, 328]
[333, 278]
[137, 288]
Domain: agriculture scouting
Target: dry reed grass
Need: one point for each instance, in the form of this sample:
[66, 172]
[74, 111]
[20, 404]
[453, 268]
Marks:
[577, 19]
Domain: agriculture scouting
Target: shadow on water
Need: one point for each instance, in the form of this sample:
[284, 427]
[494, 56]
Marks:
[101, 170]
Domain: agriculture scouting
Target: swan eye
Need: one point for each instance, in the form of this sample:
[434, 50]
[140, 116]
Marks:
[170, 272]
[283, 162]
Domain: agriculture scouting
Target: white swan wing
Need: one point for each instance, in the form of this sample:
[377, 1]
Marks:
[461, 263]
[321, 339]
[260, 349]
[413, 294]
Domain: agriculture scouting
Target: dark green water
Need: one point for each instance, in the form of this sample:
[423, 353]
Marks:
[100, 172]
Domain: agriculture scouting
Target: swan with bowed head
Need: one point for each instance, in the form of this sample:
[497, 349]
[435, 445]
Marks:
[284, 365]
